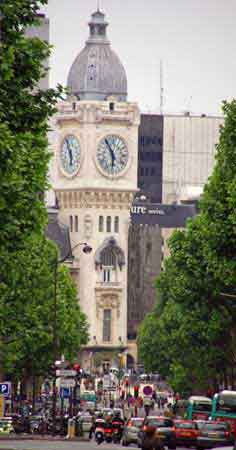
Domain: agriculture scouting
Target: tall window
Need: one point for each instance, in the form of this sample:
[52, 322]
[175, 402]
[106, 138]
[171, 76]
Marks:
[100, 224]
[107, 275]
[71, 224]
[76, 224]
[116, 225]
[107, 325]
[108, 224]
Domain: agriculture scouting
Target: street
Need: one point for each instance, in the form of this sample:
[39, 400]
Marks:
[42, 445]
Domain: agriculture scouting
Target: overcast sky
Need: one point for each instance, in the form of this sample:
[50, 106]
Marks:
[196, 40]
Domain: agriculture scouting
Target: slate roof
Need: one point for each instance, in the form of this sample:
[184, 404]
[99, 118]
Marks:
[59, 233]
[97, 72]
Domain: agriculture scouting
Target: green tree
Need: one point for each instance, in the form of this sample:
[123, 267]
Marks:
[29, 319]
[191, 333]
[24, 116]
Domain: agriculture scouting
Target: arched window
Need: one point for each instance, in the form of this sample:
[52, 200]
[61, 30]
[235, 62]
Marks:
[108, 224]
[108, 257]
[100, 224]
[116, 225]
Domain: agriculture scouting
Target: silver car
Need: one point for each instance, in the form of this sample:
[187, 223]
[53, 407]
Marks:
[131, 430]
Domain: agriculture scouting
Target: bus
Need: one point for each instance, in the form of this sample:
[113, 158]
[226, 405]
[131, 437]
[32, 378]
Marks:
[88, 400]
[199, 408]
[224, 408]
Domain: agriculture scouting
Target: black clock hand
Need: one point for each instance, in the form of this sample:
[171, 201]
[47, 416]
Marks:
[69, 152]
[111, 152]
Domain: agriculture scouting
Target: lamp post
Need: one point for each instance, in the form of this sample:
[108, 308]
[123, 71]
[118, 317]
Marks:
[86, 249]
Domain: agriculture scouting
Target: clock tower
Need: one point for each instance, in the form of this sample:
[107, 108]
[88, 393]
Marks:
[94, 176]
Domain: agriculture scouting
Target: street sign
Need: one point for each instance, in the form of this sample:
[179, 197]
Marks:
[5, 388]
[67, 383]
[65, 392]
[147, 390]
[66, 373]
[107, 381]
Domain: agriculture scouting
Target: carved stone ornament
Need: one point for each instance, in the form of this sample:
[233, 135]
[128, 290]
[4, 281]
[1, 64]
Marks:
[88, 226]
[108, 301]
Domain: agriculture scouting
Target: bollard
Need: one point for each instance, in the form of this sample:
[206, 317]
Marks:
[71, 429]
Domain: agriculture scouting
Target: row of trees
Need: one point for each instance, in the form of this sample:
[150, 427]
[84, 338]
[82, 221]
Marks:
[190, 336]
[27, 258]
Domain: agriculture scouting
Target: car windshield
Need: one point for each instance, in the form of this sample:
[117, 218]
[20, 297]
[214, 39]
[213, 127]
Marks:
[185, 425]
[215, 426]
[164, 423]
[201, 406]
[137, 423]
[226, 403]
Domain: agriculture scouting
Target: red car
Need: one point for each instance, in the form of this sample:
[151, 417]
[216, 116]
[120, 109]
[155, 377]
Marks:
[186, 432]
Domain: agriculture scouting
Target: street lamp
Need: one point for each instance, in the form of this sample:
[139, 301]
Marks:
[86, 249]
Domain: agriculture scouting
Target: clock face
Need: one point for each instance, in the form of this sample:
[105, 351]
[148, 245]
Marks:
[70, 154]
[112, 155]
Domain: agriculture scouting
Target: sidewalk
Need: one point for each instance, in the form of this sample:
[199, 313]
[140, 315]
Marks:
[38, 437]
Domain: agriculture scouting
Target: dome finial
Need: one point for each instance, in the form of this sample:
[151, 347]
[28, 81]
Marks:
[98, 5]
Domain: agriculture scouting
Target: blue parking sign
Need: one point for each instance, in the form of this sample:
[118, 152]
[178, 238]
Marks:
[5, 388]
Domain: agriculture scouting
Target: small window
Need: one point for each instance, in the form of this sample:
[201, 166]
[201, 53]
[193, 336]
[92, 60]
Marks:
[107, 325]
[76, 224]
[108, 224]
[100, 224]
[146, 171]
[152, 171]
[74, 106]
[116, 225]
[71, 224]
[112, 106]
[142, 171]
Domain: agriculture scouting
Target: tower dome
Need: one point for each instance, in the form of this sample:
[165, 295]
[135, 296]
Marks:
[97, 72]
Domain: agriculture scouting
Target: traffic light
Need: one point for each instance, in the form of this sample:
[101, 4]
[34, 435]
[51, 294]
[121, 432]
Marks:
[136, 391]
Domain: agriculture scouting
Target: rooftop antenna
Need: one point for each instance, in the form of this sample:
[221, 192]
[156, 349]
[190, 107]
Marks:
[161, 88]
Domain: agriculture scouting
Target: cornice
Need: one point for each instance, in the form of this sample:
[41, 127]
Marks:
[96, 200]
[97, 113]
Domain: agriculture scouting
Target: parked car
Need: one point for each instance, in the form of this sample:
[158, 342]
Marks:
[186, 432]
[212, 434]
[165, 431]
[6, 425]
[131, 430]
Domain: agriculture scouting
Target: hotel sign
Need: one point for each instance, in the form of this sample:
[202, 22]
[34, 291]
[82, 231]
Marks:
[150, 210]
[166, 216]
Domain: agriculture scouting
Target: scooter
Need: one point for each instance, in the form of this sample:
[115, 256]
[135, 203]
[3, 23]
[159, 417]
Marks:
[108, 433]
[99, 435]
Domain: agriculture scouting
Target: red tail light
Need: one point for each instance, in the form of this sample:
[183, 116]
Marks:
[227, 434]
[129, 424]
[145, 428]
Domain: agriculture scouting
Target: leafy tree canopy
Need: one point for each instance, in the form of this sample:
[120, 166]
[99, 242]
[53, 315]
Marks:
[190, 336]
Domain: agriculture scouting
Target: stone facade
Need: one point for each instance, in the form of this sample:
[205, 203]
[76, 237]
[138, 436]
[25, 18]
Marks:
[86, 197]
[42, 32]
